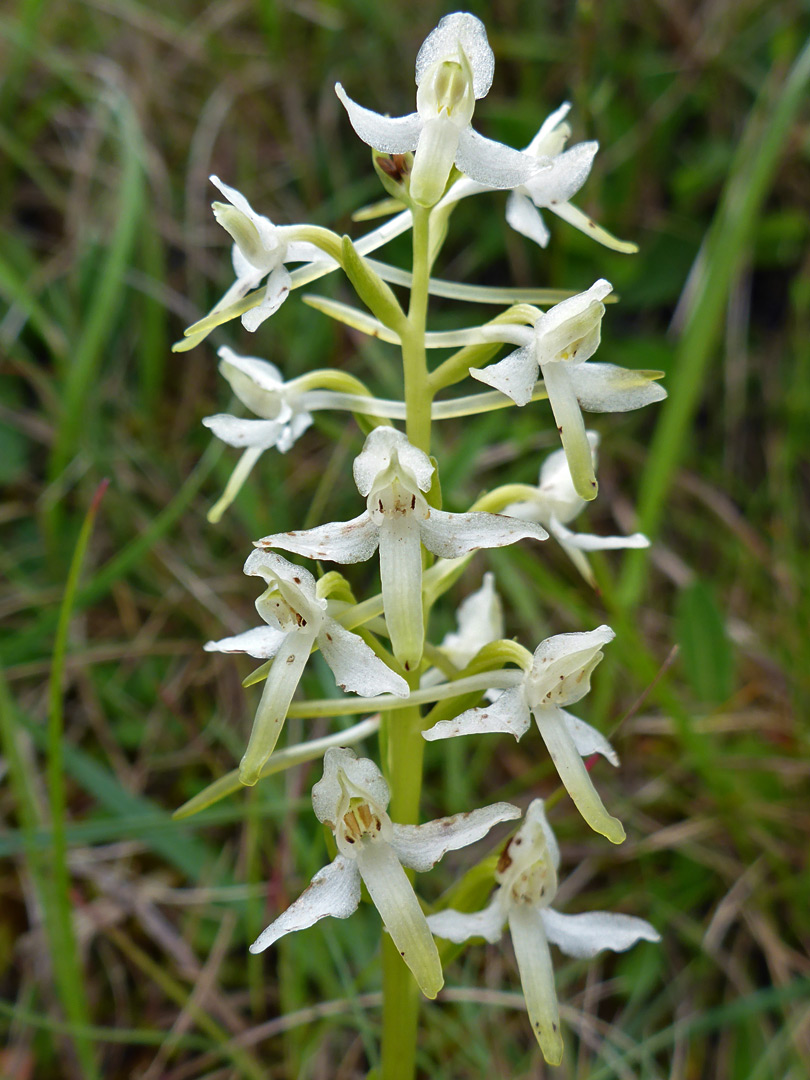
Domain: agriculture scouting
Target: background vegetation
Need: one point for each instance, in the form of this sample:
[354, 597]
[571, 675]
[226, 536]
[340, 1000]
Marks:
[123, 934]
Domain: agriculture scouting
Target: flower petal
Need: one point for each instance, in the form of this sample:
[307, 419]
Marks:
[433, 160]
[394, 898]
[574, 216]
[248, 277]
[265, 564]
[293, 430]
[587, 739]
[552, 121]
[508, 714]
[378, 452]
[493, 164]
[280, 685]
[578, 559]
[421, 846]
[257, 383]
[567, 174]
[459, 30]
[401, 582]
[237, 199]
[608, 388]
[278, 289]
[262, 642]
[589, 542]
[514, 376]
[480, 621]
[587, 934]
[452, 535]
[568, 417]
[574, 775]
[334, 891]
[391, 135]
[345, 774]
[524, 217]
[339, 541]
[562, 666]
[303, 251]
[543, 843]
[235, 481]
[537, 978]
[572, 327]
[460, 926]
[236, 431]
[355, 665]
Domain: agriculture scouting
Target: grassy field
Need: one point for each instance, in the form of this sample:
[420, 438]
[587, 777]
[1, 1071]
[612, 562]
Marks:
[123, 933]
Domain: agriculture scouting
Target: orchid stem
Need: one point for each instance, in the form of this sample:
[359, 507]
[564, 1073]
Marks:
[401, 731]
[414, 362]
[405, 750]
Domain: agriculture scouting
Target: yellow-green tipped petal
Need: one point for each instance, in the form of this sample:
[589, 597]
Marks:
[574, 775]
[277, 693]
[568, 417]
[401, 579]
[537, 978]
[574, 216]
[394, 898]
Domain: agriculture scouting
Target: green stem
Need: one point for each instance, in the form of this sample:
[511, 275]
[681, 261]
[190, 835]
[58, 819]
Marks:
[401, 732]
[405, 749]
[414, 361]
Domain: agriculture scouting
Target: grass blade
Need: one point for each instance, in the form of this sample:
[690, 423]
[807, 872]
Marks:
[726, 245]
[59, 921]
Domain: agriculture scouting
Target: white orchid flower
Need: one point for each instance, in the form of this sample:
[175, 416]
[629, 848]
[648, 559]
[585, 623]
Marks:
[558, 344]
[549, 188]
[392, 475]
[554, 187]
[297, 618]
[454, 68]
[557, 347]
[479, 621]
[260, 250]
[260, 386]
[555, 503]
[560, 675]
[351, 800]
[527, 884]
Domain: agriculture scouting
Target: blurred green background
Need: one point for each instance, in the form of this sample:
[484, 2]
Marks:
[123, 934]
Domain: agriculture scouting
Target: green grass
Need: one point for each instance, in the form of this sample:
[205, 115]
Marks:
[123, 934]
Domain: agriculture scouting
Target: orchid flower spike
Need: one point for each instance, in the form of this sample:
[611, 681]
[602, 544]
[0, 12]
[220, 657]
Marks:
[555, 503]
[454, 68]
[352, 799]
[297, 619]
[393, 475]
[259, 385]
[527, 884]
[560, 675]
[260, 250]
